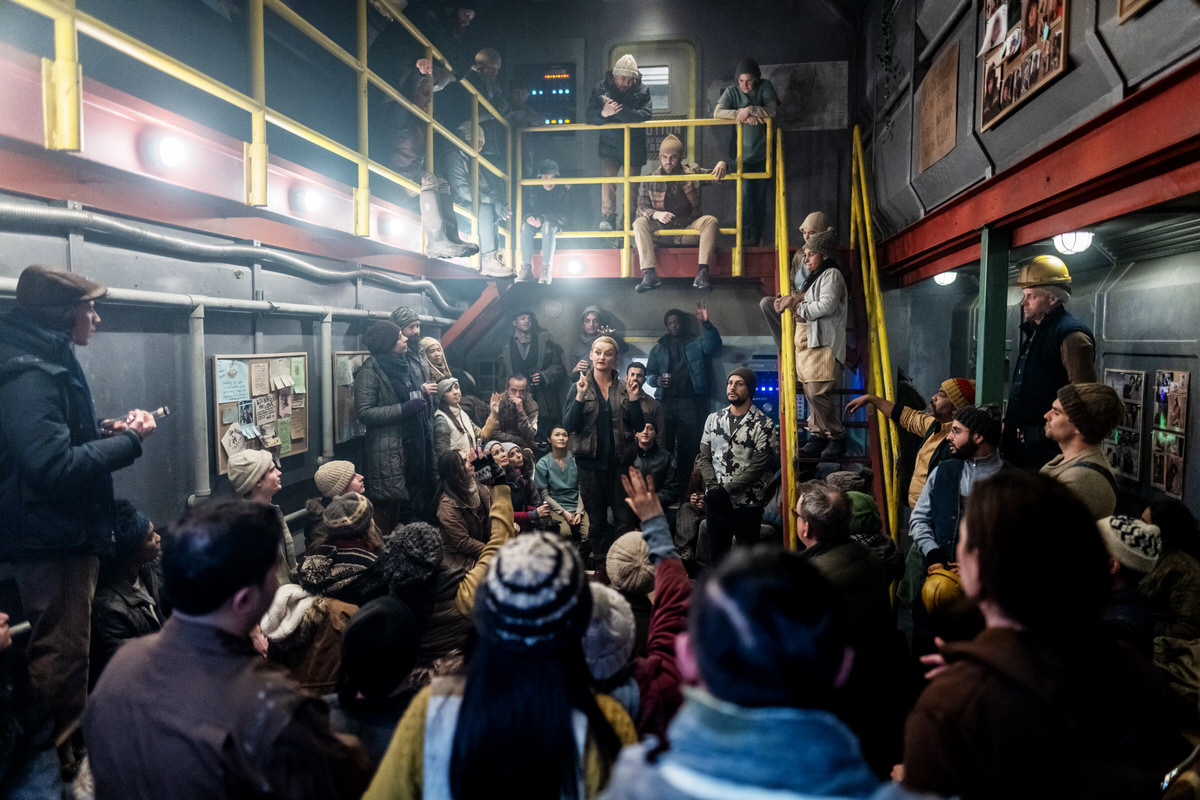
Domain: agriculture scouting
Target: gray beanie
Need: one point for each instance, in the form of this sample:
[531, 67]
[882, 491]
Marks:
[610, 636]
[823, 242]
[411, 555]
[381, 337]
[247, 468]
[404, 316]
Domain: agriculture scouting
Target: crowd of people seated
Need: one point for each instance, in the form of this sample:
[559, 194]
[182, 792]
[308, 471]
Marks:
[573, 588]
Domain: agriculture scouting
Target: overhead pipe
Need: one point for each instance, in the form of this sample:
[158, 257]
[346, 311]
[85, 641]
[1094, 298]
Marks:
[139, 235]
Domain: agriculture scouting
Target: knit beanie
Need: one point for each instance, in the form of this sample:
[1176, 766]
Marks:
[41, 286]
[1136, 544]
[1093, 408]
[847, 480]
[626, 67]
[333, 477]
[628, 564]
[381, 337]
[404, 316]
[411, 555]
[247, 468]
[609, 639]
[747, 66]
[379, 647]
[815, 223]
[748, 375]
[348, 516]
[823, 242]
[548, 166]
[427, 342]
[445, 385]
[289, 606]
[671, 145]
[534, 599]
[960, 391]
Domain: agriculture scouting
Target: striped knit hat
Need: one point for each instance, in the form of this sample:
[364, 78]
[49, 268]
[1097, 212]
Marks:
[960, 391]
[535, 598]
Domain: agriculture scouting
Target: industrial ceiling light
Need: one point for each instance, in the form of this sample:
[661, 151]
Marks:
[171, 152]
[1074, 242]
[945, 278]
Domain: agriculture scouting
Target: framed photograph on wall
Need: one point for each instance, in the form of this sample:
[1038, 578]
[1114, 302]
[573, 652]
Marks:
[1024, 48]
[1123, 447]
[1127, 8]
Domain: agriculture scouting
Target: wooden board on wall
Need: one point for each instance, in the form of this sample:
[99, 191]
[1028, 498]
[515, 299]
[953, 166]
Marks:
[937, 118]
[261, 402]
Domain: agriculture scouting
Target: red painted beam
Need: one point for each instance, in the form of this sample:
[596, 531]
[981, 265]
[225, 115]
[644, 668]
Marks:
[1147, 142]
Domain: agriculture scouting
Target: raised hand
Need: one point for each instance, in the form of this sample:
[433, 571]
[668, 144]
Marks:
[640, 494]
[581, 387]
[702, 311]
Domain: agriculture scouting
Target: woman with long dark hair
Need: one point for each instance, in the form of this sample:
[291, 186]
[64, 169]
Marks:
[601, 417]
[524, 721]
[1041, 703]
[462, 511]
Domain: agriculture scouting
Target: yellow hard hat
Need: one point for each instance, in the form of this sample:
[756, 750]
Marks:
[1042, 271]
[942, 591]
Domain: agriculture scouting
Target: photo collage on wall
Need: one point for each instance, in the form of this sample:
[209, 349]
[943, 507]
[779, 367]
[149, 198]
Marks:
[261, 404]
[1123, 447]
[1024, 48]
[1169, 437]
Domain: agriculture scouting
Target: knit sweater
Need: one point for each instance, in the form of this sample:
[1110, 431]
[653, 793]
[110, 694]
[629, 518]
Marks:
[1092, 487]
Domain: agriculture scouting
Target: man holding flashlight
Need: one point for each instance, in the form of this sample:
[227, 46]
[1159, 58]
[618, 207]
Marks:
[56, 461]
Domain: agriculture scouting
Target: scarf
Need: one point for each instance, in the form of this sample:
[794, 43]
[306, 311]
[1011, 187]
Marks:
[399, 373]
[812, 276]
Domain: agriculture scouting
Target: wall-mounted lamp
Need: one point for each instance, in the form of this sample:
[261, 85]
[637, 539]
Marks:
[307, 200]
[945, 278]
[575, 267]
[1074, 242]
[161, 151]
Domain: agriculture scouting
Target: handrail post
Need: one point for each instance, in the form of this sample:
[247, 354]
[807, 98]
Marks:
[737, 246]
[362, 192]
[255, 151]
[626, 262]
[477, 145]
[787, 360]
[62, 86]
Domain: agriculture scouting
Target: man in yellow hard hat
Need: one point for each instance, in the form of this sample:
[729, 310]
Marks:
[1056, 349]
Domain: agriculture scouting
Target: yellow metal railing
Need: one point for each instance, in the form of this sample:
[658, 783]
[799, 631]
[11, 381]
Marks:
[879, 378]
[787, 361]
[62, 97]
[627, 181]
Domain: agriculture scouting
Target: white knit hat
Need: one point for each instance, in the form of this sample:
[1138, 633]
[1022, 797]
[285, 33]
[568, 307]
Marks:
[627, 67]
[608, 642]
[628, 564]
[247, 467]
[1134, 543]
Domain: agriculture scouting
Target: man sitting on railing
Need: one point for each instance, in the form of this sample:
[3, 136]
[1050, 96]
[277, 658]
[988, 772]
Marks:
[674, 204]
[620, 97]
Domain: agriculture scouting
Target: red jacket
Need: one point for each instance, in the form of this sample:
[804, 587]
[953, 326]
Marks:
[656, 673]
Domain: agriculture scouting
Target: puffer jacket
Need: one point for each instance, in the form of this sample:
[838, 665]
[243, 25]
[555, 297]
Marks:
[381, 412]
[55, 469]
[699, 351]
[636, 108]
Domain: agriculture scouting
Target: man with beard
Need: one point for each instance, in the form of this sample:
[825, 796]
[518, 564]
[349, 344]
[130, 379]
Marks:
[933, 424]
[532, 353]
[974, 449]
[735, 460]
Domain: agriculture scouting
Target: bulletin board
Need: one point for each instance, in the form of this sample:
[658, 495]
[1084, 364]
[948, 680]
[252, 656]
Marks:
[261, 403]
[345, 421]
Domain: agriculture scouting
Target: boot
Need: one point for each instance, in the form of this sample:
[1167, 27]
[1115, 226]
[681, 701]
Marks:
[814, 447]
[649, 280]
[835, 449]
[701, 281]
[607, 222]
[438, 242]
[493, 266]
[546, 276]
[525, 274]
[446, 204]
